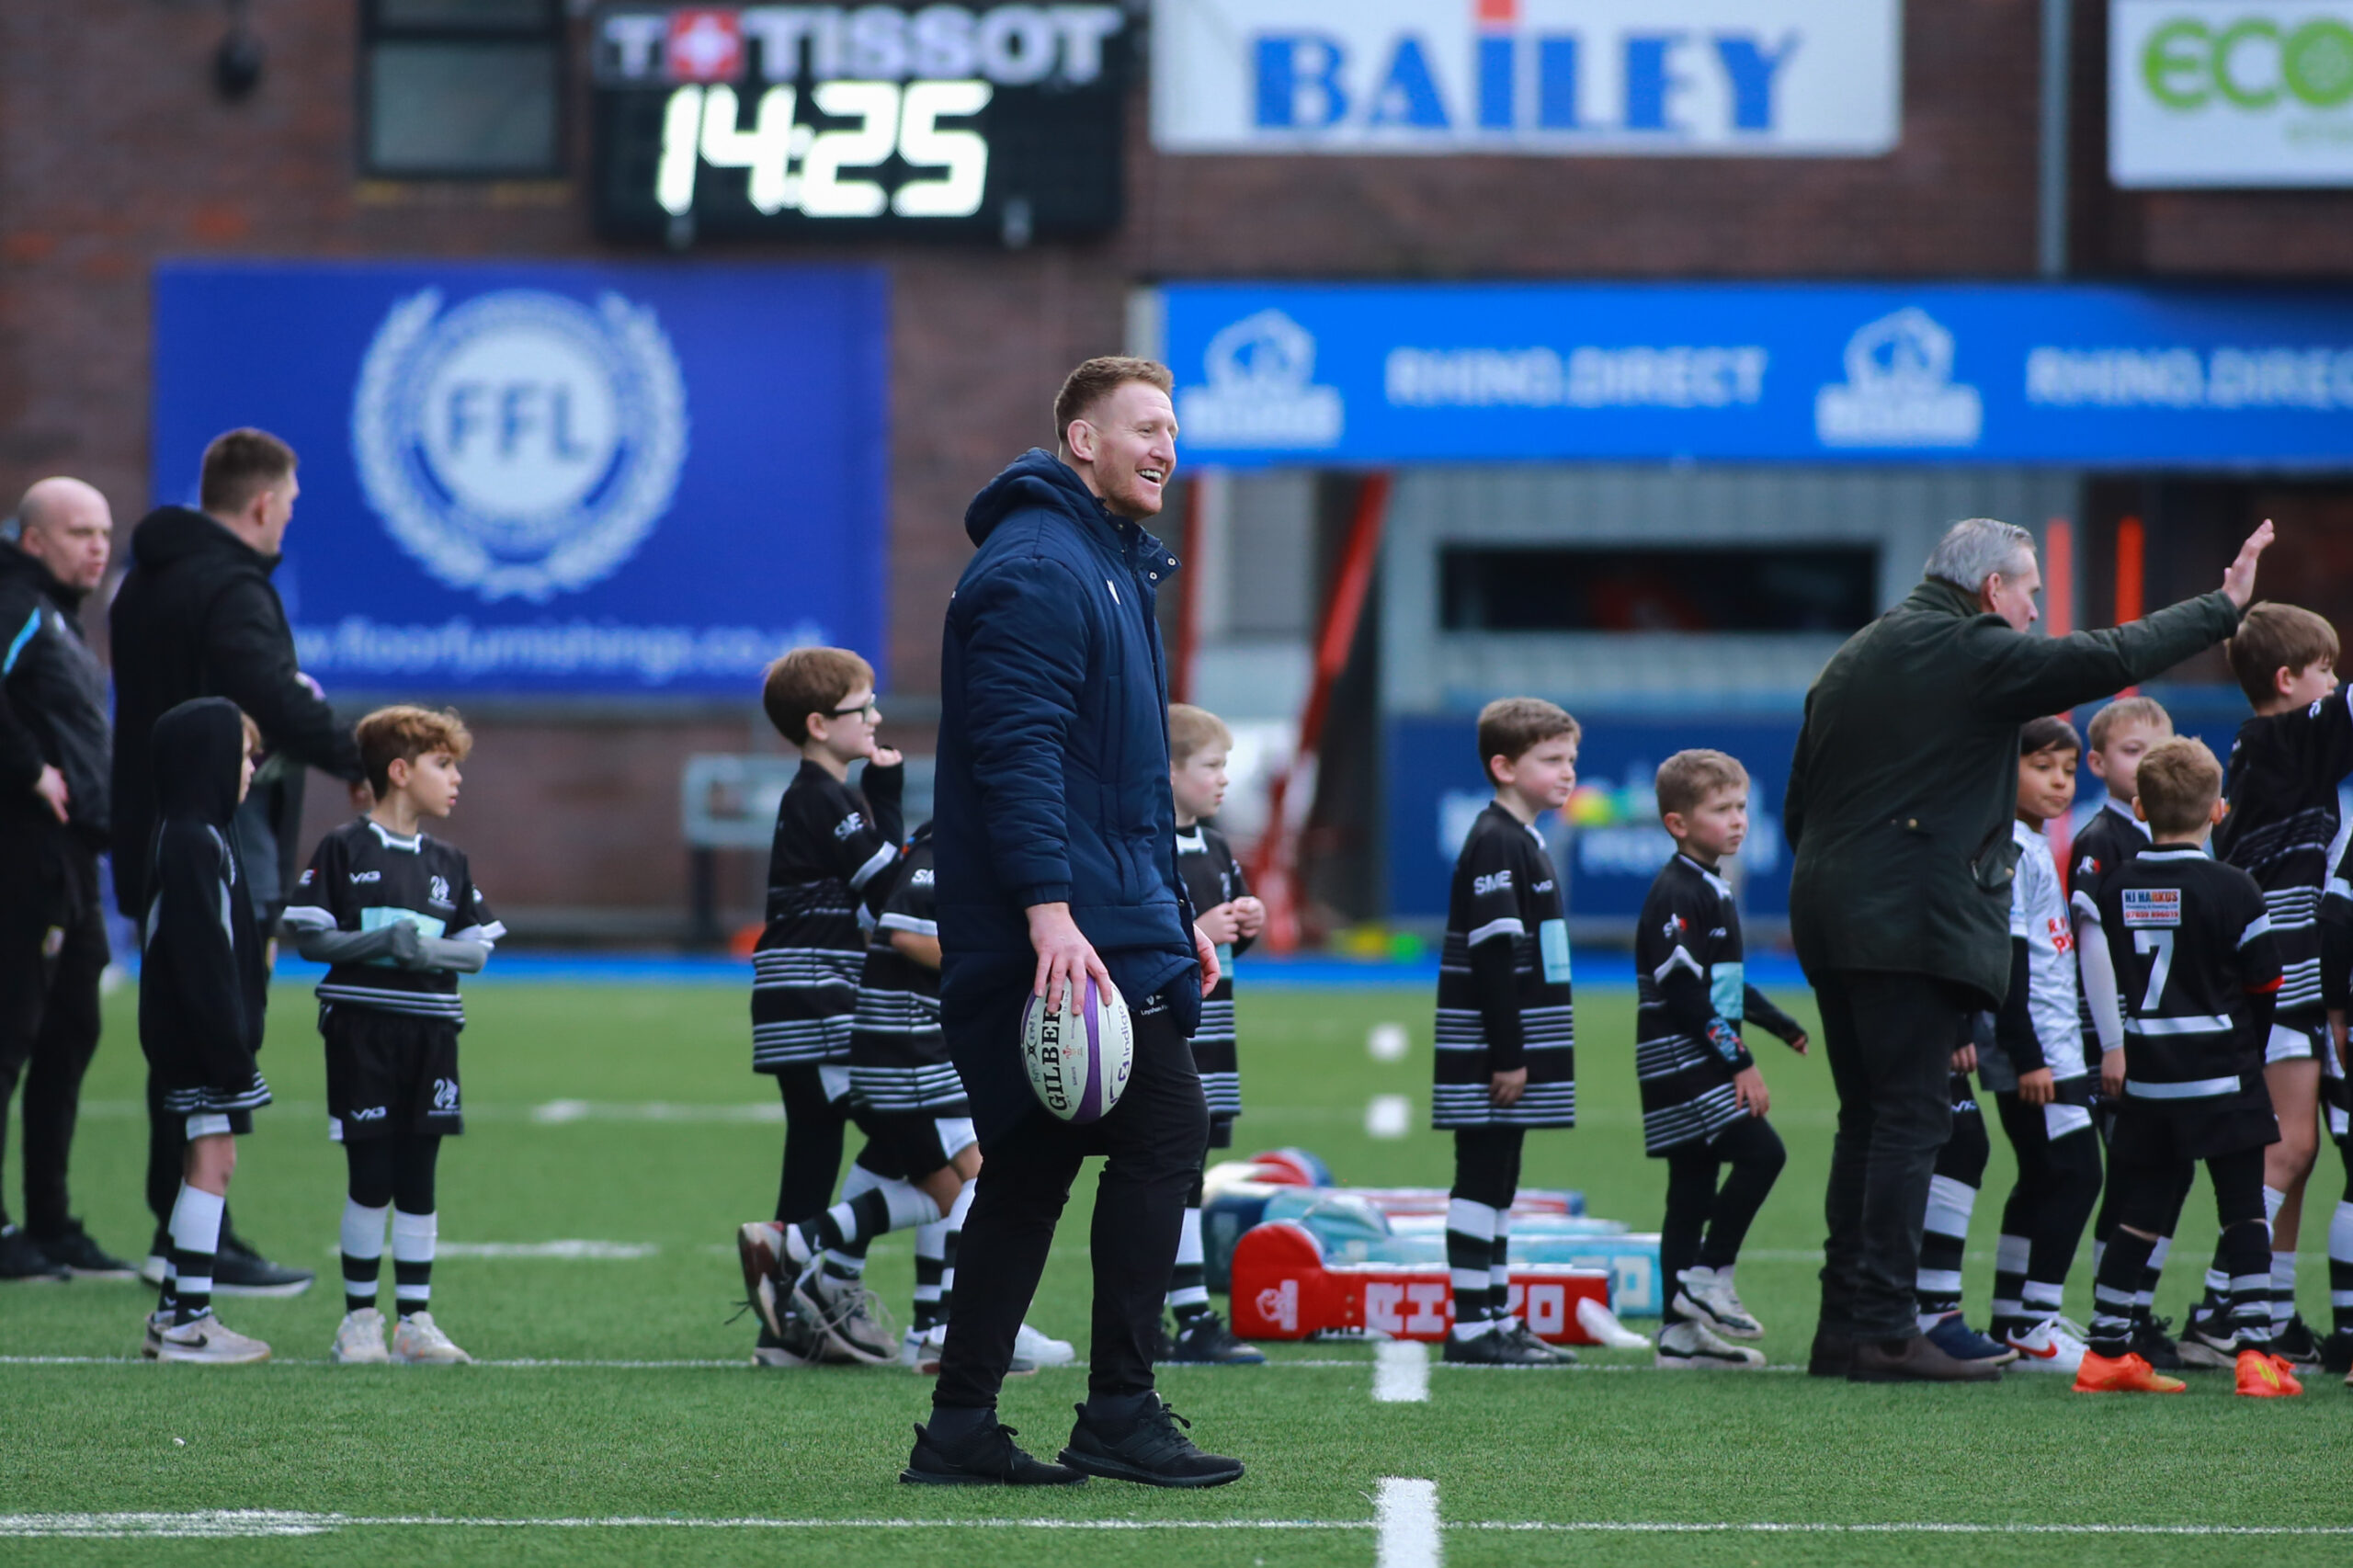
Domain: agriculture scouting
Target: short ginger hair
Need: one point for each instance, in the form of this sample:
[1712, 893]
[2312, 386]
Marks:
[1511, 727]
[807, 681]
[2179, 783]
[1192, 730]
[2272, 638]
[1097, 379]
[1688, 778]
[239, 465]
[2126, 711]
[404, 734]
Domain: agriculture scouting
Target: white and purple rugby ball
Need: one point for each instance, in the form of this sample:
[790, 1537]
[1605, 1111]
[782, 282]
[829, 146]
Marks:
[1079, 1058]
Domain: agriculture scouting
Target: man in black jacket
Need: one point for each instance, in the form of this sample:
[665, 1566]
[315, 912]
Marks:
[196, 617]
[54, 746]
[1900, 803]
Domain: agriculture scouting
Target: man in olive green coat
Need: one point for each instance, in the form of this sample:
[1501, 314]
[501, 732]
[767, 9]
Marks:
[1900, 803]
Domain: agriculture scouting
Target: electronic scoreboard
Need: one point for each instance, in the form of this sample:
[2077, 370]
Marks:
[986, 122]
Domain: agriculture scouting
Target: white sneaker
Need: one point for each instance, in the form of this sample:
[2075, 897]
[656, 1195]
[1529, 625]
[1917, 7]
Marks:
[1042, 1350]
[1706, 1296]
[1685, 1347]
[920, 1352]
[1602, 1324]
[360, 1341]
[854, 1320]
[2047, 1347]
[208, 1341]
[419, 1342]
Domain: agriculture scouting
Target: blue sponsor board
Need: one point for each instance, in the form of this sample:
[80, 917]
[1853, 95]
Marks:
[1609, 844]
[548, 478]
[2149, 378]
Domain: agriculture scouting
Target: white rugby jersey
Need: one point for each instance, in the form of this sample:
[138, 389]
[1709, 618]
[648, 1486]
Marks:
[2039, 913]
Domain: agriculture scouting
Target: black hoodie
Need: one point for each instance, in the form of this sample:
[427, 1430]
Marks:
[52, 702]
[196, 617]
[201, 980]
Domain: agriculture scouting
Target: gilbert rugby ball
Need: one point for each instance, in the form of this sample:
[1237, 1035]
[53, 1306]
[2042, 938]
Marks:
[1079, 1058]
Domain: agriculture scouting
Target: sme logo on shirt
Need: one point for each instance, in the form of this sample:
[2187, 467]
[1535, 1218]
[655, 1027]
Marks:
[1497, 882]
[920, 877]
[2152, 907]
[851, 823]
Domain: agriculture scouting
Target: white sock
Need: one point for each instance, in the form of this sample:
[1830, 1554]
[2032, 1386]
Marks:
[2143, 1299]
[196, 1228]
[412, 1239]
[2340, 1234]
[1190, 1260]
[2283, 1289]
[363, 1239]
[2272, 1198]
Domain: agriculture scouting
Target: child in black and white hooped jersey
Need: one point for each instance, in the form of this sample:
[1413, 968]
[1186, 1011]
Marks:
[1704, 1101]
[2191, 942]
[1198, 747]
[395, 914]
[1506, 1040]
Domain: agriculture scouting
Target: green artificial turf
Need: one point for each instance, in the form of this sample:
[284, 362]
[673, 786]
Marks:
[628, 1115]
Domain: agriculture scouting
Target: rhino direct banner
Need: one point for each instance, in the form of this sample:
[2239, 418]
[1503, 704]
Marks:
[547, 479]
[2146, 378]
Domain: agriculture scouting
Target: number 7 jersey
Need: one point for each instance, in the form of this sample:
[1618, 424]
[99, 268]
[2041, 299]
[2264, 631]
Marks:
[2191, 941]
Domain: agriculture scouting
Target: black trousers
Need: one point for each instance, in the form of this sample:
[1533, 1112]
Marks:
[2058, 1186]
[1151, 1144]
[814, 1121]
[167, 1133]
[1889, 1038]
[1706, 1223]
[52, 950]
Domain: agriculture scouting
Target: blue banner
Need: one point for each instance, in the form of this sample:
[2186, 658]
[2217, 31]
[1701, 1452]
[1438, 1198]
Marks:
[548, 478]
[2072, 376]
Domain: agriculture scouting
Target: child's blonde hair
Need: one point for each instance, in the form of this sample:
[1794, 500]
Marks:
[1192, 730]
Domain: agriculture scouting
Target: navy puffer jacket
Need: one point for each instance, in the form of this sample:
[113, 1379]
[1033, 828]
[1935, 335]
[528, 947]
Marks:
[1053, 760]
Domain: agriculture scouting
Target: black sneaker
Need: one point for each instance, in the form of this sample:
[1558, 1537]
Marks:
[2295, 1343]
[1496, 1347]
[1205, 1341]
[1518, 1330]
[2153, 1345]
[2208, 1343]
[986, 1457]
[73, 1249]
[1149, 1451]
[239, 1270]
[1163, 1348]
[21, 1257]
[2337, 1351]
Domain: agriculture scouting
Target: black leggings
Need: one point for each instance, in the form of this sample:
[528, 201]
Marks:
[1705, 1222]
[396, 1169]
[812, 1143]
[2058, 1183]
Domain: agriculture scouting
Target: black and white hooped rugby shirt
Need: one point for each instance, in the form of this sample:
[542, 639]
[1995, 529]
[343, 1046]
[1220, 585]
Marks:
[827, 883]
[364, 877]
[2193, 948]
[1502, 983]
[1205, 860]
[2111, 838]
[898, 1056]
[2281, 784]
[1692, 996]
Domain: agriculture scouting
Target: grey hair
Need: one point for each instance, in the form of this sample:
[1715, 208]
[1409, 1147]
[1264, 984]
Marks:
[1979, 548]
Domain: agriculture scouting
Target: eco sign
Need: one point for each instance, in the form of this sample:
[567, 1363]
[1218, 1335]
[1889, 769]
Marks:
[2213, 93]
[1786, 77]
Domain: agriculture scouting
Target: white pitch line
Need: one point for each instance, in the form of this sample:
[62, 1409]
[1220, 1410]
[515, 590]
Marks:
[1318, 1364]
[1401, 1372]
[1405, 1521]
[1406, 1525]
[547, 1252]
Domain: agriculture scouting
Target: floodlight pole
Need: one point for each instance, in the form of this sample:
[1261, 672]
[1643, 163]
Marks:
[2051, 193]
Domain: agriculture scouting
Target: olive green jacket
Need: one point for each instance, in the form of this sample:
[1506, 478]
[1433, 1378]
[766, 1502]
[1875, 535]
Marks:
[1906, 776]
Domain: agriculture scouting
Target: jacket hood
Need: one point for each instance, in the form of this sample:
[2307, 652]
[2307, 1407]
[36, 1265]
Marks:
[16, 565]
[199, 753]
[1036, 478]
[174, 533]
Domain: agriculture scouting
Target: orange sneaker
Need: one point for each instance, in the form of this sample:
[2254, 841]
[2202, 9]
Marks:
[2264, 1376]
[2123, 1374]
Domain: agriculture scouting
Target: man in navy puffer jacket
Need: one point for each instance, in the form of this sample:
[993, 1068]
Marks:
[1054, 835]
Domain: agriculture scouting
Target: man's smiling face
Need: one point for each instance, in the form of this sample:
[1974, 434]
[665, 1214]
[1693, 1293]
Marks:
[1125, 447]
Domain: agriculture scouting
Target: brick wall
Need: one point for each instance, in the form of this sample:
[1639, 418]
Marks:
[114, 152]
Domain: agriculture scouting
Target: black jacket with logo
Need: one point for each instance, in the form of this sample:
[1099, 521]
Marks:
[52, 703]
[196, 617]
